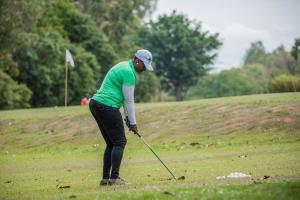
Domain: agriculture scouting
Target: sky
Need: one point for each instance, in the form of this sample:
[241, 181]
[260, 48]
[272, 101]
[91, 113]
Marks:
[240, 22]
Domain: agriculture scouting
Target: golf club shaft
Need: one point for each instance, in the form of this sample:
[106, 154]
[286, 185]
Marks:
[155, 154]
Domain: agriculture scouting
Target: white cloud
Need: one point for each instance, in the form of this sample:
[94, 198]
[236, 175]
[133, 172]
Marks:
[284, 28]
[206, 27]
[274, 22]
[243, 32]
[236, 39]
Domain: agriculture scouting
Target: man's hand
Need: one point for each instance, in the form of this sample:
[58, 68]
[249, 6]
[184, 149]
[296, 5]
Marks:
[134, 128]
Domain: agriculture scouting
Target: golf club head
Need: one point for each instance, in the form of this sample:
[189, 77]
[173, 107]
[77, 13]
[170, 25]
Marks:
[180, 178]
[174, 178]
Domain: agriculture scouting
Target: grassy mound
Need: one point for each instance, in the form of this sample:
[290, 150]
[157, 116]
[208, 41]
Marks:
[55, 153]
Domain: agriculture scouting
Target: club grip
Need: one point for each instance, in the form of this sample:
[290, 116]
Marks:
[138, 134]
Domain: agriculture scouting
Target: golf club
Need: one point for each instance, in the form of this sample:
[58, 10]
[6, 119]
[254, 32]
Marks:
[175, 178]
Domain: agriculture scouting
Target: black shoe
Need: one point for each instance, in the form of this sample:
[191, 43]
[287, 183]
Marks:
[117, 181]
[104, 182]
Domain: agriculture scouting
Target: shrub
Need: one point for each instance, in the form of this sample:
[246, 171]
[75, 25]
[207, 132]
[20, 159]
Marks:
[13, 95]
[285, 83]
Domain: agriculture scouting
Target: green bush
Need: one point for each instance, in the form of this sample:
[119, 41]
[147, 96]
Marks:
[42, 69]
[249, 79]
[285, 83]
[14, 95]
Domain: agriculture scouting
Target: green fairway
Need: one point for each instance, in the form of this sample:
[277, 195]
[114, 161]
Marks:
[55, 153]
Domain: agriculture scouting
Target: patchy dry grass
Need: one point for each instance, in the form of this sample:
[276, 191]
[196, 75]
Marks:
[43, 151]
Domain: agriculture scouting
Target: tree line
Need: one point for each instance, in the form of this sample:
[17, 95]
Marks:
[99, 33]
[35, 34]
[261, 72]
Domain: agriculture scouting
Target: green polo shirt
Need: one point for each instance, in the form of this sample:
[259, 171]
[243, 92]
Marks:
[110, 92]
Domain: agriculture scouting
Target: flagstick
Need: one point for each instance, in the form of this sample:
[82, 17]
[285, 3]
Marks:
[66, 84]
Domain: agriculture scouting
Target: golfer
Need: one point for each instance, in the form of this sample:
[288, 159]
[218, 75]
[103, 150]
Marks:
[117, 89]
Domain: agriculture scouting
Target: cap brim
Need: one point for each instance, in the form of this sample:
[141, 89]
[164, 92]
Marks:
[149, 67]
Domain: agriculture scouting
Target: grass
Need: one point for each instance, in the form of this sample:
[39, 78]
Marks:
[42, 150]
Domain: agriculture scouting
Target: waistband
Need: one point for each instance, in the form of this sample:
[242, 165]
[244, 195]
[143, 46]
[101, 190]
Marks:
[102, 104]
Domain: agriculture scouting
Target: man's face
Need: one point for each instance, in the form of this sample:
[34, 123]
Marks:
[140, 67]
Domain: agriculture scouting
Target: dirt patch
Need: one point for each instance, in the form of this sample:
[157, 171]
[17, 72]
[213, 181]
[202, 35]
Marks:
[185, 121]
[288, 120]
[253, 117]
[64, 127]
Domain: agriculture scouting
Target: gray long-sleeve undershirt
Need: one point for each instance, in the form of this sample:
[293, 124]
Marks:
[129, 108]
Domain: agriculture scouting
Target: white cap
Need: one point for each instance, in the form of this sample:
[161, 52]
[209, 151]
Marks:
[145, 56]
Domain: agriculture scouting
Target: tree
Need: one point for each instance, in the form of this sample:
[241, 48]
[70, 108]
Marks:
[147, 87]
[181, 51]
[79, 29]
[281, 62]
[250, 79]
[41, 60]
[85, 76]
[277, 62]
[13, 95]
[255, 54]
[296, 49]
[35, 34]
[274, 71]
[118, 19]
[16, 17]
[8, 65]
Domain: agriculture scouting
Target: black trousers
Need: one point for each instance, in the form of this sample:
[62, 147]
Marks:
[110, 122]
